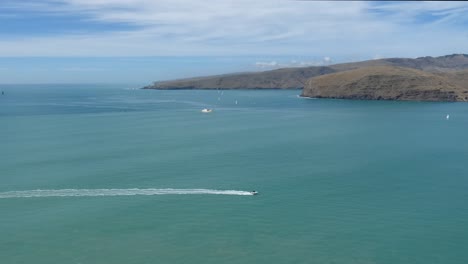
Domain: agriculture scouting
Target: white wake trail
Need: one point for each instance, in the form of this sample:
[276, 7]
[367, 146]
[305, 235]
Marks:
[113, 192]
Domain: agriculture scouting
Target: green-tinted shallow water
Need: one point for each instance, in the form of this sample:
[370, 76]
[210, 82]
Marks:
[339, 181]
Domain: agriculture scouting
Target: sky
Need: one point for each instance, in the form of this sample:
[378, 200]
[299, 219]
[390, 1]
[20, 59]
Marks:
[141, 41]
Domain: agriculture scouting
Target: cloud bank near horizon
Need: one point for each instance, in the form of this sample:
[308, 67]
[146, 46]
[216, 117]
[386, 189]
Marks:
[114, 28]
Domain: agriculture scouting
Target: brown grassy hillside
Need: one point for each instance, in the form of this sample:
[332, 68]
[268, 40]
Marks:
[388, 83]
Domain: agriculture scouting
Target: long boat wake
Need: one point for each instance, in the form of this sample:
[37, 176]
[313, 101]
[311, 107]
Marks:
[113, 192]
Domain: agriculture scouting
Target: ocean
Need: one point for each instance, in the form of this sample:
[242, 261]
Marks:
[113, 174]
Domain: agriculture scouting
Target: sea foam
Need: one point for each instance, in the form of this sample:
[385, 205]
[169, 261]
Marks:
[113, 192]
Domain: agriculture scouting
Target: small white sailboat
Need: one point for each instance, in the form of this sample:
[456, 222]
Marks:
[447, 117]
[236, 101]
[206, 110]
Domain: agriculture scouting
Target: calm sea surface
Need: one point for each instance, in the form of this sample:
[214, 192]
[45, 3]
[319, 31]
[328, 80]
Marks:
[340, 181]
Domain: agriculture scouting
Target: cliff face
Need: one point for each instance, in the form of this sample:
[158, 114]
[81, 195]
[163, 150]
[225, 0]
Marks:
[295, 78]
[387, 83]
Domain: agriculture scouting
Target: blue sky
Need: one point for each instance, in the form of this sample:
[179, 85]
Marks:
[140, 41]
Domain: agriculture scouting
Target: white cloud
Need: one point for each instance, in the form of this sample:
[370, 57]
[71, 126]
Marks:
[185, 27]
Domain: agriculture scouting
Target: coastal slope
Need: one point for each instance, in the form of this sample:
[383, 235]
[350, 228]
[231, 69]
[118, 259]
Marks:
[388, 83]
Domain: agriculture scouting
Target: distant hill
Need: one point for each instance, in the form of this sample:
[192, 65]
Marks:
[287, 78]
[295, 78]
[390, 83]
[448, 63]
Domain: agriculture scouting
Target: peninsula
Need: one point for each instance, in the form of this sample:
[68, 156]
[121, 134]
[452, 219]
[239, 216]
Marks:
[443, 78]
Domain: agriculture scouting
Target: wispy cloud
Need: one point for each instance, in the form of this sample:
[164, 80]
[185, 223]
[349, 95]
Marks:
[266, 64]
[263, 65]
[185, 27]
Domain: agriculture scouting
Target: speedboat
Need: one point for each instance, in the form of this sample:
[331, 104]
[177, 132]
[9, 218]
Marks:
[207, 110]
[254, 192]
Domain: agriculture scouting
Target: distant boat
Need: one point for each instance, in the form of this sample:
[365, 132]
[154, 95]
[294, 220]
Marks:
[448, 116]
[236, 101]
[207, 110]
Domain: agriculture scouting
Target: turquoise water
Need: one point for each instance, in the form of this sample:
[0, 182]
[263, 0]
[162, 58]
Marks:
[339, 181]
